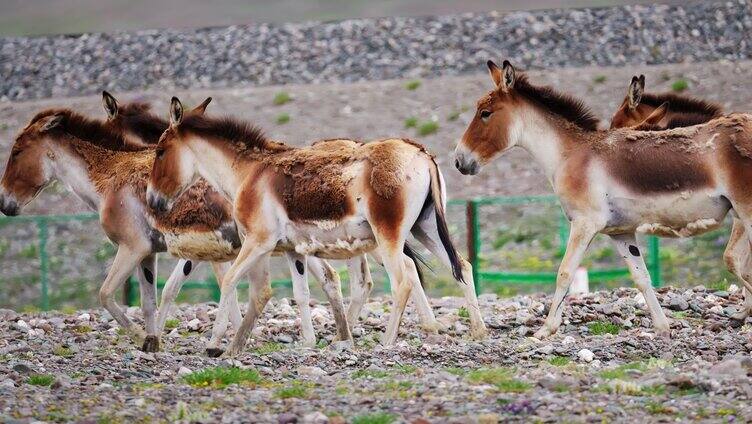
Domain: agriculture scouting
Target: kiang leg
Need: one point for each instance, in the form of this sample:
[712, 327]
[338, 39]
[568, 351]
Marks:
[172, 287]
[147, 283]
[125, 261]
[302, 295]
[330, 283]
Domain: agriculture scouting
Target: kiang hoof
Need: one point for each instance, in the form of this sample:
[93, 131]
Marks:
[151, 344]
[214, 352]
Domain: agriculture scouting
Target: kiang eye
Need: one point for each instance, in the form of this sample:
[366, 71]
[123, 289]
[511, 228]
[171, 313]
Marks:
[484, 114]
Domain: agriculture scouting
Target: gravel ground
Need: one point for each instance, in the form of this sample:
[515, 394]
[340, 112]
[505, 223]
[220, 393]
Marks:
[605, 365]
[372, 49]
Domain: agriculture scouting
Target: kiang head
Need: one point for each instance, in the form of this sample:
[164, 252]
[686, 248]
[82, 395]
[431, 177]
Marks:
[174, 167]
[29, 170]
[631, 112]
[491, 130]
[135, 120]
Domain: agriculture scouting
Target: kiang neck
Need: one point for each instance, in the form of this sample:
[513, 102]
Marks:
[71, 168]
[215, 163]
[541, 136]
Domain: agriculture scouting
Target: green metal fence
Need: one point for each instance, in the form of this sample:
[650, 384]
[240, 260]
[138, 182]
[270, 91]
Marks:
[482, 277]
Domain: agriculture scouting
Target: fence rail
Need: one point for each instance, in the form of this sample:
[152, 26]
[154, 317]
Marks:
[474, 245]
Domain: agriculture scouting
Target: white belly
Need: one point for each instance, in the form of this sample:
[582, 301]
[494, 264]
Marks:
[330, 239]
[681, 214]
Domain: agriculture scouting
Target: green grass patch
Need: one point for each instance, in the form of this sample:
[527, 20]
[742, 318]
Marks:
[598, 328]
[283, 118]
[370, 374]
[405, 369]
[269, 347]
[455, 115]
[281, 98]
[62, 351]
[559, 361]
[40, 379]
[599, 79]
[172, 323]
[622, 372]
[428, 127]
[29, 252]
[657, 408]
[680, 85]
[411, 122]
[295, 390]
[456, 371]
[412, 85]
[374, 418]
[501, 378]
[82, 329]
[221, 377]
[463, 312]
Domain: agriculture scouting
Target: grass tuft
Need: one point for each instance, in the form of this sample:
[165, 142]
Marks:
[599, 79]
[370, 374]
[221, 377]
[283, 118]
[40, 379]
[269, 347]
[559, 361]
[428, 127]
[599, 328]
[62, 351]
[463, 312]
[281, 98]
[412, 85]
[172, 323]
[680, 85]
[295, 390]
[375, 418]
[501, 378]
[411, 122]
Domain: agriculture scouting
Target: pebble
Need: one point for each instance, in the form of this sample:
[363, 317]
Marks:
[194, 324]
[315, 418]
[184, 371]
[371, 48]
[585, 355]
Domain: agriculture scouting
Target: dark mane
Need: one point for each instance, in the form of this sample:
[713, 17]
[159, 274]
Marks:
[138, 118]
[245, 136]
[92, 131]
[683, 104]
[564, 105]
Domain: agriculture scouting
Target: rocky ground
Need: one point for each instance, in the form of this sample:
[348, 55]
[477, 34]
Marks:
[372, 49]
[605, 365]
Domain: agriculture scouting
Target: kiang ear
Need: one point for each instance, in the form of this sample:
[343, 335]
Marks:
[49, 122]
[508, 76]
[200, 109]
[176, 112]
[634, 93]
[495, 72]
[657, 115]
[110, 105]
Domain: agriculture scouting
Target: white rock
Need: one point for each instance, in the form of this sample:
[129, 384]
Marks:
[194, 324]
[717, 309]
[315, 418]
[639, 299]
[733, 288]
[7, 384]
[311, 371]
[546, 350]
[84, 317]
[22, 325]
[568, 340]
[586, 355]
[184, 371]
[320, 316]
[139, 402]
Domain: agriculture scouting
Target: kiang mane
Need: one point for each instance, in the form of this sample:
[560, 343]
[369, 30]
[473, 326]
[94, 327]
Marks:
[683, 104]
[244, 136]
[93, 131]
[564, 105]
[138, 118]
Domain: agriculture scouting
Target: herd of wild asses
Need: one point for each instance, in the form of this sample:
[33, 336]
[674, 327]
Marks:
[206, 188]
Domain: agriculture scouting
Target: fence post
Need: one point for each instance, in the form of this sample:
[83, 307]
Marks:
[473, 241]
[127, 297]
[655, 260]
[563, 233]
[43, 263]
